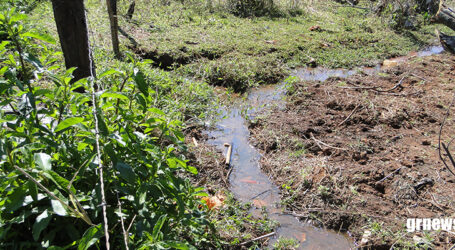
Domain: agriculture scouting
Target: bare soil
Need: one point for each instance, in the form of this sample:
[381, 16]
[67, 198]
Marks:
[361, 154]
[212, 172]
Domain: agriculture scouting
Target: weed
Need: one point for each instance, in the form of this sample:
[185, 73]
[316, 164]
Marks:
[286, 244]
[50, 193]
[324, 191]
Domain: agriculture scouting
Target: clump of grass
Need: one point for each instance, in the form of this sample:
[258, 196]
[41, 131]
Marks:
[286, 244]
[235, 224]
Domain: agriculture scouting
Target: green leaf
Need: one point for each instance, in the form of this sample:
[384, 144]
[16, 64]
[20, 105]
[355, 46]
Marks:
[109, 149]
[178, 245]
[33, 190]
[156, 111]
[42, 37]
[43, 161]
[157, 228]
[90, 237]
[15, 200]
[58, 208]
[141, 83]
[109, 72]
[114, 96]
[40, 224]
[126, 172]
[61, 182]
[102, 125]
[3, 44]
[68, 123]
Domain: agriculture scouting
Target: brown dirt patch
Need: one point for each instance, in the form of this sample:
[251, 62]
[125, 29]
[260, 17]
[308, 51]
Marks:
[208, 160]
[360, 154]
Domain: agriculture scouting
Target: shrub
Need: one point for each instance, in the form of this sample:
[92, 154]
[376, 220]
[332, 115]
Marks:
[250, 8]
[50, 188]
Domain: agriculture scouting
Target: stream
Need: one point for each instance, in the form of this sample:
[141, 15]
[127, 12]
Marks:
[250, 184]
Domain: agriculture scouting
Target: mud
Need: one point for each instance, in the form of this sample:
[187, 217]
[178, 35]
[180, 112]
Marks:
[360, 155]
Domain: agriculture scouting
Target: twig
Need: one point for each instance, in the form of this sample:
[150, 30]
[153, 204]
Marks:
[325, 144]
[229, 173]
[221, 173]
[448, 153]
[261, 193]
[125, 234]
[440, 139]
[436, 203]
[131, 223]
[376, 88]
[394, 87]
[349, 116]
[258, 238]
[86, 219]
[398, 169]
[421, 78]
[309, 210]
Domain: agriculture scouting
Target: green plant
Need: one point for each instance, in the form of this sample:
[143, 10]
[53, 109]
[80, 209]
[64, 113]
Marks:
[286, 244]
[323, 191]
[248, 8]
[54, 142]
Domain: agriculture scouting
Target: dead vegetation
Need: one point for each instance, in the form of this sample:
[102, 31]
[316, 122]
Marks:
[363, 152]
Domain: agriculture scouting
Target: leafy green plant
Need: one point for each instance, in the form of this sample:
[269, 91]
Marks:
[51, 195]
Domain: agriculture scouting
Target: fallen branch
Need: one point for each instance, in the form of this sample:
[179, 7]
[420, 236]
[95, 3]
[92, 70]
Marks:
[258, 238]
[349, 116]
[130, 38]
[325, 144]
[376, 88]
[323, 210]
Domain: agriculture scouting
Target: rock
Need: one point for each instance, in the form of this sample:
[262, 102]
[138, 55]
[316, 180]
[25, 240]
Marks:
[365, 237]
[424, 182]
[389, 63]
[315, 28]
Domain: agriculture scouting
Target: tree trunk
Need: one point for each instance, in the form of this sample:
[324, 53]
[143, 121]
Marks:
[446, 16]
[73, 34]
[130, 12]
[113, 19]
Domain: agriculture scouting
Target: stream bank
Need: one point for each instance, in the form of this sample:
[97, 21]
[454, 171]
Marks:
[250, 184]
[360, 154]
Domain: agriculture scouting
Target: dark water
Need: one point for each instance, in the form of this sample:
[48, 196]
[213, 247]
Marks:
[250, 184]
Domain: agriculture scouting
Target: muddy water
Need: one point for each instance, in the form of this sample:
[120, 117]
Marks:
[322, 74]
[250, 184]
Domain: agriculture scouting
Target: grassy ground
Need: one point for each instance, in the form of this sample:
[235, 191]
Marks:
[195, 39]
[240, 52]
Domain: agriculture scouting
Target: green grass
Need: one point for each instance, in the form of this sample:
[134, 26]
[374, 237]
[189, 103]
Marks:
[240, 52]
[209, 43]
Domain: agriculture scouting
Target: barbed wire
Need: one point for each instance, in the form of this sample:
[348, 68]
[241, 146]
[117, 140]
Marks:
[97, 133]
